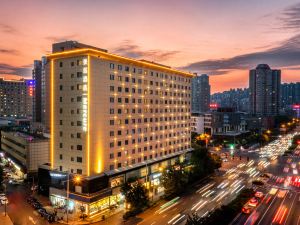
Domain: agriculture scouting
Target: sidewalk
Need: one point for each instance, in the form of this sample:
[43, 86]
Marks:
[5, 220]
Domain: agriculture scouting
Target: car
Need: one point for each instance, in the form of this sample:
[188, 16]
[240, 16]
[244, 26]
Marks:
[42, 212]
[247, 209]
[37, 205]
[259, 194]
[253, 202]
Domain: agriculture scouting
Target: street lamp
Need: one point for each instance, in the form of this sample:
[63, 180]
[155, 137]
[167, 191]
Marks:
[76, 180]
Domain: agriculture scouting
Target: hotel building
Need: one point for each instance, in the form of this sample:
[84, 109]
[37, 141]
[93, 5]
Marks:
[112, 118]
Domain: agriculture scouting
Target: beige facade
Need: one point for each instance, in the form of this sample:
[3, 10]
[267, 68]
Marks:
[27, 150]
[111, 112]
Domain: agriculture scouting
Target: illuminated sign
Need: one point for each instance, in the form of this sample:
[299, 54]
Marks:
[213, 105]
[296, 107]
[84, 94]
[31, 85]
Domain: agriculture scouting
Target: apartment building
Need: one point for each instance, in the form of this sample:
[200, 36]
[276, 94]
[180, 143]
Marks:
[113, 117]
[16, 98]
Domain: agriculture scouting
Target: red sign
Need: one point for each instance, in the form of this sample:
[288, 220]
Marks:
[213, 105]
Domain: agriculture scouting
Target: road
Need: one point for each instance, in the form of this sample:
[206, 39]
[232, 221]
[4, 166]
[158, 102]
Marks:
[223, 189]
[281, 204]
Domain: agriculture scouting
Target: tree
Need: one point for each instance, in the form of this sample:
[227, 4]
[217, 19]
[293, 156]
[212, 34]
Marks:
[1, 175]
[174, 180]
[203, 162]
[136, 195]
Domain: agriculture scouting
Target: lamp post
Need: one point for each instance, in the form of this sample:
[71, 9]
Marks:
[76, 180]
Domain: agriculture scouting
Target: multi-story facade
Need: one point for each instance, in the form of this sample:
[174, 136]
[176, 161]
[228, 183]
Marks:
[37, 98]
[113, 116]
[29, 151]
[233, 98]
[264, 90]
[224, 121]
[197, 123]
[200, 94]
[16, 98]
[290, 94]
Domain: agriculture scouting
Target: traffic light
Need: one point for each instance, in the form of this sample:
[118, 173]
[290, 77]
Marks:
[231, 146]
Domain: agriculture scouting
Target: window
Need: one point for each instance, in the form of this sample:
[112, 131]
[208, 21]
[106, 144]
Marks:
[79, 98]
[111, 167]
[111, 122]
[111, 111]
[61, 145]
[119, 67]
[60, 156]
[60, 87]
[79, 147]
[60, 64]
[111, 155]
[111, 100]
[119, 154]
[79, 74]
[111, 133]
[79, 159]
[111, 88]
[111, 65]
[111, 144]
[79, 123]
[79, 171]
[60, 76]
[78, 135]
[127, 68]
[112, 77]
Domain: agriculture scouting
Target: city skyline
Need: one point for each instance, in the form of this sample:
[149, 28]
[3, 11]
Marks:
[224, 46]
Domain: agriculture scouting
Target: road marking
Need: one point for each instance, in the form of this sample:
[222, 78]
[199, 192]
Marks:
[164, 215]
[31, 220]
[178, 219]
[290, 209]
[174, 218]
[266, 211]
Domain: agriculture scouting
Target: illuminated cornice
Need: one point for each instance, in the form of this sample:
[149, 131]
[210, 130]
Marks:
[110, 56]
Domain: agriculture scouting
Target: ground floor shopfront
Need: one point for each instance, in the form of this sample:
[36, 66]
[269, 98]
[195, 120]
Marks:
[76, 207]
[102, 193]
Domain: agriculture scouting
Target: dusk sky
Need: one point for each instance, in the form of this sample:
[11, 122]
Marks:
[223, 38]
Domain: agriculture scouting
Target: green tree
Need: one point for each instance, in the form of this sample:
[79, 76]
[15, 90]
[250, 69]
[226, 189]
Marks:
[174, 180]
[1, 178]
[136, 195]
[203, 162]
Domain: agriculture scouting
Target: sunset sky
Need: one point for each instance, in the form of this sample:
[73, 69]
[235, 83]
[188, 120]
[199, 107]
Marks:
[223, 38]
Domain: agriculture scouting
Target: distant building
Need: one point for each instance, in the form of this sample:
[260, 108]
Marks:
[37, 97]
[197, 123]
[224, 121]
[233, 98]
[200, 94]
[290, 95]
[264, 87]
[16, 98]
[29, 151]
